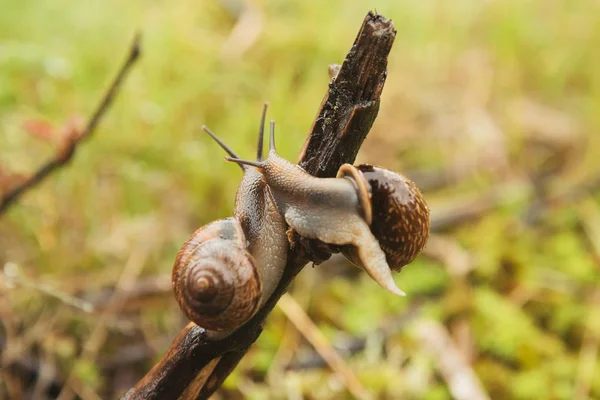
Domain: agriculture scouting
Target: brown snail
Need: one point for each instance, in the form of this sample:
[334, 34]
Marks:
[228, 268]
[379, 216]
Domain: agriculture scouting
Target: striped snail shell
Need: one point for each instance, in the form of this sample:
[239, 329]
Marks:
[400, 216]
[215, 279]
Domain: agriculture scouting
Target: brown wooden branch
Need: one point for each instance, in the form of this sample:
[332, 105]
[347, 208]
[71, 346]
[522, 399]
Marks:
[197, 362]
[66, 152]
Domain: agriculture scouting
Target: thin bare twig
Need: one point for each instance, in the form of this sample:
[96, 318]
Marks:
[65, 154]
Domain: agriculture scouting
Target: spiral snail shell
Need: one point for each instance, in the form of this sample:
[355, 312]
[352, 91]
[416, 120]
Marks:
[400, 219]
[214, 296]
[229, 267]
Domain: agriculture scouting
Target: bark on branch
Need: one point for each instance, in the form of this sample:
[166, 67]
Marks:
[196, 363]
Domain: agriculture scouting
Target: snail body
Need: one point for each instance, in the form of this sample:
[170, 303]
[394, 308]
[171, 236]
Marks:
[264, 229]
[228, 268]
[339, 211]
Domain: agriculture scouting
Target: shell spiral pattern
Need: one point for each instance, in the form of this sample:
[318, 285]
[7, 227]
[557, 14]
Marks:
[215, 278]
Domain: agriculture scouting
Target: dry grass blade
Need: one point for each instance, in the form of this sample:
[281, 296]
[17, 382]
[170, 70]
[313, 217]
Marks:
[589, 215]
[448, 251]
[315, 337]
[588, 353]
[245, 32]
[98, 336]
[462, 382]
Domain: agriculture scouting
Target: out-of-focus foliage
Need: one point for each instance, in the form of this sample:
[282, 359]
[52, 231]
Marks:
[483, 96]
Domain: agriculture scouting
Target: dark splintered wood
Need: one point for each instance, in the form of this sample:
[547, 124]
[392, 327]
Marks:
[352, 102]
[342, 123]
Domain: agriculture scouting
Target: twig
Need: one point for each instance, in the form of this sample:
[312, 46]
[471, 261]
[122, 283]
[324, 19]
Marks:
[65, 154]
[342, 123]
[143, 290]
[11, 274]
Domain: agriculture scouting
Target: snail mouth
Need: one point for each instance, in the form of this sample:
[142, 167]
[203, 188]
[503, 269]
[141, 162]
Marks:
[209, 288]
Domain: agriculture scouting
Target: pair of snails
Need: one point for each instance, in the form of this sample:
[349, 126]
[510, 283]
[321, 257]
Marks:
[227, 269]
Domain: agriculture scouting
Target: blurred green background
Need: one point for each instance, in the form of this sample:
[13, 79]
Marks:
[491, 107]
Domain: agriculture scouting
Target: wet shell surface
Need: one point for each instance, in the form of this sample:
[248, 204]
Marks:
[400, 215]
[215, 278]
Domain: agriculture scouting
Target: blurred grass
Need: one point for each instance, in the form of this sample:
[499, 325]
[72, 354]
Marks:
[473, 89]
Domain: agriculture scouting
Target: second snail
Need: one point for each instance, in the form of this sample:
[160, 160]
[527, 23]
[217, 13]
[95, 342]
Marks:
[378, 217]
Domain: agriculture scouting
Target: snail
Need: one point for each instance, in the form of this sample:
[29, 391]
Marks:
[379, 217]
[228, 268]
